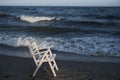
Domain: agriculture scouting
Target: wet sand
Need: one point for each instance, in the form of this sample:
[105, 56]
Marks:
[17, 68]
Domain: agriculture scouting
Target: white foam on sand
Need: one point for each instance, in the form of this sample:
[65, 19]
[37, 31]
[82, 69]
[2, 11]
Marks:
[33, 19]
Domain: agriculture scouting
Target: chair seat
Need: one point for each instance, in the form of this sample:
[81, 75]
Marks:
[50, 56]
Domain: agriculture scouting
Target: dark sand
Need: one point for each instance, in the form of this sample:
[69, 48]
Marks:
[16, 68]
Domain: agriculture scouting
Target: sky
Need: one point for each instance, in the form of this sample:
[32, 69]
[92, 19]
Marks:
[59, 2]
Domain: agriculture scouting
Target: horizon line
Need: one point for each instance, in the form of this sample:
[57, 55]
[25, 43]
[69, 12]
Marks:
[59, 6]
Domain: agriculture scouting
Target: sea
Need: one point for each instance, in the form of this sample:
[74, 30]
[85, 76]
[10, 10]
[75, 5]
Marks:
[87, 31]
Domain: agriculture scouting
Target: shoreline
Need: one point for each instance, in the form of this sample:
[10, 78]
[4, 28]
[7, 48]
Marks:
[66, 56]
[23, 52]
[18, 68]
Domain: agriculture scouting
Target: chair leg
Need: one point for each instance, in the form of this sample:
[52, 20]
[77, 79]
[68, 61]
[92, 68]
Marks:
[37, 69]
[51, 66]
[52, 69]
[56, 67]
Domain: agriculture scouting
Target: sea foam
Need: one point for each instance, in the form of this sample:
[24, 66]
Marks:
[33, 19]
[15, 41]
[96, 46]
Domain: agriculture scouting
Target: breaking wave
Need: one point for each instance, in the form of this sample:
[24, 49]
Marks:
[33, 19]
[96, 46]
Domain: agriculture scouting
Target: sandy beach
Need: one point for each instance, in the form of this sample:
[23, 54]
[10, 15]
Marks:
[17, 68]
[85, 39]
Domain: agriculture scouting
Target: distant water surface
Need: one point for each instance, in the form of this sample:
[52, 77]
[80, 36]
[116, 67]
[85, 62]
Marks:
[79, 30]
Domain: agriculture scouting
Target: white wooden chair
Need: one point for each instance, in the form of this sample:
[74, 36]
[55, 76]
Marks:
[41, 55]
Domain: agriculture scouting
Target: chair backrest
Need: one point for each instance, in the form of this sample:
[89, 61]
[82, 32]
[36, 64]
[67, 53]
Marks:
[33, 47]
[35, 52]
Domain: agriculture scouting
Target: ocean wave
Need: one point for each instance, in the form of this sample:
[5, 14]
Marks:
[33, 19]
[2, 15]
[15, 41]
[96, 46]
[102, 16]
[52, 30]
[89, 23]
[61, 30]
[109, 16]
